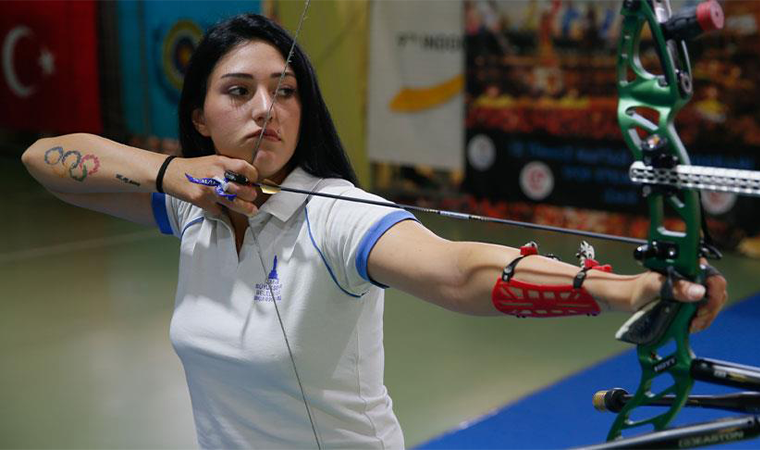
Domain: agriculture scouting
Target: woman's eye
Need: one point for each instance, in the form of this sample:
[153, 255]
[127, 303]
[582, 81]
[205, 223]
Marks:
[286, 92]
[237, 91]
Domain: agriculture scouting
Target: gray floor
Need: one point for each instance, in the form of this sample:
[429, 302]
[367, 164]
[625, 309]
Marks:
[86, 361]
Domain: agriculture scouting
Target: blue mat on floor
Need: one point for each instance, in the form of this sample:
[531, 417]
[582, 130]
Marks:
[562, 416]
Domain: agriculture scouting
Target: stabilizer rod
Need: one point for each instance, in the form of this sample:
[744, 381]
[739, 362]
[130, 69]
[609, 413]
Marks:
[614, 399]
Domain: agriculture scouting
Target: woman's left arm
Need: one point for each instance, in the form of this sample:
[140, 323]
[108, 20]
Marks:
[460, 276]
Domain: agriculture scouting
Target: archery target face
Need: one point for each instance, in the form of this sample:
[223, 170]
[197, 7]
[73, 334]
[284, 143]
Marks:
[179, 44]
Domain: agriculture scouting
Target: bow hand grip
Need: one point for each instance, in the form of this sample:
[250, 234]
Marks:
[649, 324]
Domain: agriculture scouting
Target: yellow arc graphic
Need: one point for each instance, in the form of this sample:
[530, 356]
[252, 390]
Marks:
[417, 99]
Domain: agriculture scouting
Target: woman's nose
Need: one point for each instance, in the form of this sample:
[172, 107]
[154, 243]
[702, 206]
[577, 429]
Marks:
[263, 109]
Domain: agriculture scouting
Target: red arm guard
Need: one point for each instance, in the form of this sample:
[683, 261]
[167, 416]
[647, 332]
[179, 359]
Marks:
[520, 299]
[534, 300]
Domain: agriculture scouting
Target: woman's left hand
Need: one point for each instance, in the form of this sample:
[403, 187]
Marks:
[650, 284]
[717, 295]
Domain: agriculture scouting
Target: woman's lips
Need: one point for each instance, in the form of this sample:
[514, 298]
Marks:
[269, 135]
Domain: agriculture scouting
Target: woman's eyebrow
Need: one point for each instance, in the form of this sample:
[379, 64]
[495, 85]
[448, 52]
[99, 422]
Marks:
[249, 76]
[278, 74]
[237, 75]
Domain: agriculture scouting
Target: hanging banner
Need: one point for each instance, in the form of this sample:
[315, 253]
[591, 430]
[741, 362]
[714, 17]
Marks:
[157, 39]
[416, 82]
[49, 61]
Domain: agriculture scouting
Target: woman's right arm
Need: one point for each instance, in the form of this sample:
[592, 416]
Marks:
[102, 175]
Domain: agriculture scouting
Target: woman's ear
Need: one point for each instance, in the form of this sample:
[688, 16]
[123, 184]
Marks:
[199, 121]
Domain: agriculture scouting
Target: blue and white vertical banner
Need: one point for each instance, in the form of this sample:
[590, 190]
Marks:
[416, 83]
[157, 39]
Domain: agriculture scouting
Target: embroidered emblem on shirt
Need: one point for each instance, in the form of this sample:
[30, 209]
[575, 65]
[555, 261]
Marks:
[263, 293]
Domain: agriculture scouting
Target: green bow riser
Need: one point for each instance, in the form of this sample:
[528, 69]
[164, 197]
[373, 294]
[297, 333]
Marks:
[662, 96]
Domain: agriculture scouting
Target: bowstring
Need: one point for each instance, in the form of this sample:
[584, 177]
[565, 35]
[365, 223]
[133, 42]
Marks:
[279, 81]
[287, 342]
[256, 239]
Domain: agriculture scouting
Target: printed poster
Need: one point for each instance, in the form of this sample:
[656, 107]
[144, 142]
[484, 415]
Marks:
[157, 39]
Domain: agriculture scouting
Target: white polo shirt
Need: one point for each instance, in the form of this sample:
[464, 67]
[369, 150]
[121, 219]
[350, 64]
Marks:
[225, 329]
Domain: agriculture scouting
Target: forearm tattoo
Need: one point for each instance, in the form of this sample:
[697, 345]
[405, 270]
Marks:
[72, 163]
[127, 180]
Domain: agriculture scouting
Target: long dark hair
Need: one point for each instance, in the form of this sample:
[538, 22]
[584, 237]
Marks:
[319, 150]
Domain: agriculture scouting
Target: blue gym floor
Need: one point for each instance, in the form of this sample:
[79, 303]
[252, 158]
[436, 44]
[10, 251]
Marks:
[561, 415]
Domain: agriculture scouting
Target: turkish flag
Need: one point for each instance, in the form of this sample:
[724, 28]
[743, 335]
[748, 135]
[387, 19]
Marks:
[49, 60]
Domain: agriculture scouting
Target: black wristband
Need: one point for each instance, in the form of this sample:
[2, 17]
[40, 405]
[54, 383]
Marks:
[161, 172]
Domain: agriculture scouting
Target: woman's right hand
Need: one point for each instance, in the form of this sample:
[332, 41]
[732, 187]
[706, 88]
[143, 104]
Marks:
[102, 175]
[177, 185]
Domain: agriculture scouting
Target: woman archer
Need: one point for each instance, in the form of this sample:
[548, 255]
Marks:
[254, 265]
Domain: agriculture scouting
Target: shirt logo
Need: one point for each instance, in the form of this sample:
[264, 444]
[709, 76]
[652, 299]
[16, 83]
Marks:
[263, 291]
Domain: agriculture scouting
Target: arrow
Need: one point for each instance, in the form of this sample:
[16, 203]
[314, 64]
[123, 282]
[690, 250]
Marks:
[269, 188]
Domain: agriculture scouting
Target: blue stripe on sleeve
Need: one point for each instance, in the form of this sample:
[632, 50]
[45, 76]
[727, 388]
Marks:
[324, 260]
[158, 202]
[371, 237]
[189, 224]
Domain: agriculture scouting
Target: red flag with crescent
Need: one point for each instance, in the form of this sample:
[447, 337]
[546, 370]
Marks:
[49, 66]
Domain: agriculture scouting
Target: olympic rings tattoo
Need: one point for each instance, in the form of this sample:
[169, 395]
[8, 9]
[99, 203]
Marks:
[59, 150]
[73, 163]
